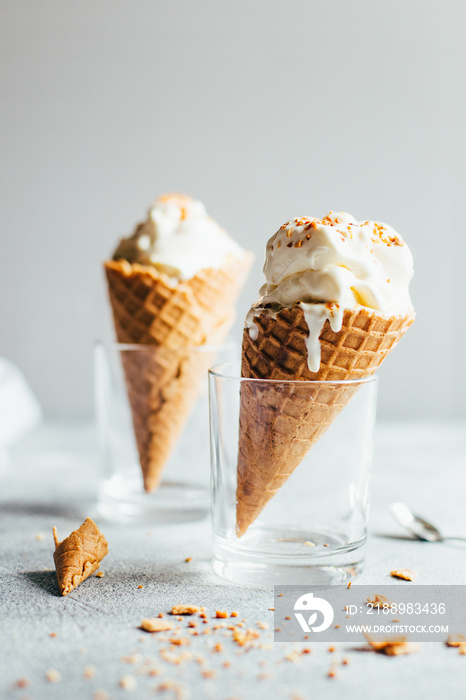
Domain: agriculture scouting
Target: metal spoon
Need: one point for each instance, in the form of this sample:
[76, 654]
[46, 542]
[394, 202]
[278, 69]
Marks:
[417, 526]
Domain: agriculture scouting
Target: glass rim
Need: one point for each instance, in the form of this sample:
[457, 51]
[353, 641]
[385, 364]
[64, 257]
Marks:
[214, 372]
[124, 347]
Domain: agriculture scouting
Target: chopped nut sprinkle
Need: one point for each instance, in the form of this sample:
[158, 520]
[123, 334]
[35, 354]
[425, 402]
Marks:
[378, 601]
[175, 658]
[133, 659]
[405, 574]
[242, 638]
[128, 683]
[393, 647]
[179, 641]
[455, 640]
[155, 624]
[52, 675]
[101, 695]
[185, 609]
[208, 674]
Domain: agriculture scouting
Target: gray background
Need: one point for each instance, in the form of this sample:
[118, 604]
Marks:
[263, 109]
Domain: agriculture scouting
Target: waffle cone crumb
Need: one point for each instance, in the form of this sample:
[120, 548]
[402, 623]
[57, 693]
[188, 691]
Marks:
[405, 574]
[456, 640]
[185, 609]
[392, 647]
[155, 624]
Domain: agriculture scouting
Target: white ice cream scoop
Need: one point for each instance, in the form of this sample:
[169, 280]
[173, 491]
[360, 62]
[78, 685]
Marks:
[332, 264]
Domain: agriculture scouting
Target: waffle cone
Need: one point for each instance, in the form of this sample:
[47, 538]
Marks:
[163, 380]
[78, 555]
[279, 425]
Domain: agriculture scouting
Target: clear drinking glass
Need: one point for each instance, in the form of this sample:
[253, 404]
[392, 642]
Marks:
[313, 529]
[145, 396]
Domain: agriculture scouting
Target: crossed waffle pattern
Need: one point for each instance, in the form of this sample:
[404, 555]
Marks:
[280, 423]
[79, 555]
[162, 387]
[163, 384]
[148, 309]
[356, 351]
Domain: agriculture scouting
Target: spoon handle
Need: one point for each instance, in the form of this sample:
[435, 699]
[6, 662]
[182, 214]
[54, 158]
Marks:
[463, 539]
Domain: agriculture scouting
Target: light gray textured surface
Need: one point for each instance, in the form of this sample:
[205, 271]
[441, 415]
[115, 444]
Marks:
[51, 480]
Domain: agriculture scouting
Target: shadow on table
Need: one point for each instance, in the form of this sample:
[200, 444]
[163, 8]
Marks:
[145, 578]
[447, 542]
[389, 536]
[157, 574]
[56, 510]
[45, 580]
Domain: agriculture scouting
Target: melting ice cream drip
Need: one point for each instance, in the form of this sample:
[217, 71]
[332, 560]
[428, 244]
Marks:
[332, 264]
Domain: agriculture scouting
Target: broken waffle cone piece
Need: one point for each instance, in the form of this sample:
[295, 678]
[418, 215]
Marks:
[178, 321]
[79, 555]
[155, 624]
[405, 574]
[279, 424]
